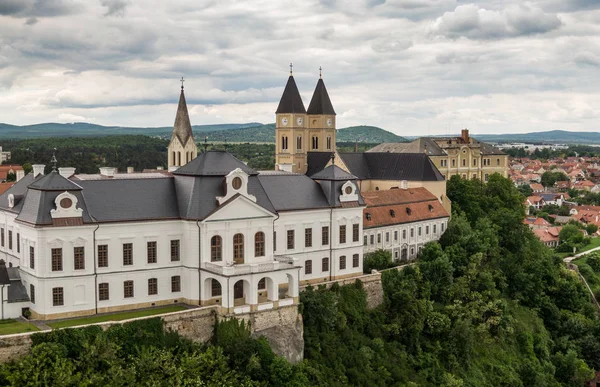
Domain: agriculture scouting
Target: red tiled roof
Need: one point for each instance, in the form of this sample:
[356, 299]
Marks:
[398, 206]
[546, 235]
[5, 186]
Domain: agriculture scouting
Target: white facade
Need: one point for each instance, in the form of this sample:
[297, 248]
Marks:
[404, 241]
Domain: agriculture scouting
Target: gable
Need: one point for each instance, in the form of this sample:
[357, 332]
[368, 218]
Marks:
[238, 207]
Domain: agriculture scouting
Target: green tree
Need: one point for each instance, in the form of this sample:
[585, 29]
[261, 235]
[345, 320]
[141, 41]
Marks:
[377, 260]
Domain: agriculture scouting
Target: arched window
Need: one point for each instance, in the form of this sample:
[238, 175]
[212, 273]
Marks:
[328, 142]
[299, 142]
[216, 288]
[284, 142]
[173, 158]
[179, 159]
[259, 244]
[315, 142]
[238, 248]
[216, 249]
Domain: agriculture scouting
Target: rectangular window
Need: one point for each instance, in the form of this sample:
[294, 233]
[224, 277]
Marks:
[152, 286]
[274, 240]
[355, 233]
[128, 289]
[434, 228]
[474, 162]
[497, 161]
[387, 237]
[10, 246]
[32, 293]
[442, 227]
[290, 239]
[103, 291]
[325, 235]
[57, 260]
[78, 258]
[420, 230]
[176, 283]
[308, 267]
[453, 162]
[412, 232]
[127, 254]
[343, 262]
[426, 230]
[308, 237]
[58, 297]
[372, 239]
[378, 238]
[102, 255]
[31, 257]
[343, 234]
[403, 234]
[355, 260]
[365, 240]
[395, 236]
[325, 264]
[151, 251]
[18, 243]
[175, 250]
[2, 237]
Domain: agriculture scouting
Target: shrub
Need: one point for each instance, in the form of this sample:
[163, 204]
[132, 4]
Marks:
[593, 261]
[378, 260]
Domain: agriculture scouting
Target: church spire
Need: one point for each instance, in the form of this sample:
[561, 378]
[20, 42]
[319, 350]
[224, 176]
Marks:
[182, 129]
[291, 102]
[320, 102]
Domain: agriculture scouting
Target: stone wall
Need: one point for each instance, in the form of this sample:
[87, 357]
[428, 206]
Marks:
[371, 285]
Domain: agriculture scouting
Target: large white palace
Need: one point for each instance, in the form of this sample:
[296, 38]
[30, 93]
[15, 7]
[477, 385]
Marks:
[210, 230]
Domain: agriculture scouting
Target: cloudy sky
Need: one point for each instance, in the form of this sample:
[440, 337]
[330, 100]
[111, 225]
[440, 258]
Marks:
[414, 67]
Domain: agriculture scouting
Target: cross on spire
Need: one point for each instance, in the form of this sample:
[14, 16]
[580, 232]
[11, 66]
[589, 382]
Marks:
[182, 80]
[291, 68]
[205, 143]
[320, 72]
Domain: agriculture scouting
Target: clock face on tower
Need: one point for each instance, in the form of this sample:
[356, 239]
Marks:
[329, 122]
[299, 120]
[284, 121]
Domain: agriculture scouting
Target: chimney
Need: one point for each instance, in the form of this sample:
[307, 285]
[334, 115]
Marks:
[66, 172]
[159, 168]
[20, 174]
[129, 169]
[404, 184]
[38, 169]
[465, 135]
[107, 171]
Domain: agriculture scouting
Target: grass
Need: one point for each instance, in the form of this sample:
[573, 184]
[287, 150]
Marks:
[595, 242]
[9, 327]
[115, 316]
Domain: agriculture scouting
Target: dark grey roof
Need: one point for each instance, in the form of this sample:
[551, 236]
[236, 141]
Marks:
[420, 145]
[320, 102]
[291, 102]
[197, 196]
[213, 163]
[333, 172]
[381, 166]
[38, 204]
[16, 290]
[293, 192]
[54, 181]
[18, 190]
[4, 279]
[117, 200]
[182, 129]
[487, 149]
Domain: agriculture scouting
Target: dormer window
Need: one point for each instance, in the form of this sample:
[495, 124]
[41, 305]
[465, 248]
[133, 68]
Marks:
[368, 216]
[236, 183]
[408, 210]
[430, 208]
[392, 213]
[11, 201]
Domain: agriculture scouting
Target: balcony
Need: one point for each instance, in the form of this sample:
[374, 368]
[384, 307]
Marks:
[232, 269]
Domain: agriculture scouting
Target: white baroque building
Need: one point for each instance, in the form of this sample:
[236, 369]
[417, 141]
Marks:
[213, 231]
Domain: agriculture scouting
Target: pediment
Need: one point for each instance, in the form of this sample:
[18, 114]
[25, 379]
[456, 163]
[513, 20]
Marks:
[239, 207]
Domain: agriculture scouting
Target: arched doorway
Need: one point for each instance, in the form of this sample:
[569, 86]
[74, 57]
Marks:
[267, 290]
[404, 253]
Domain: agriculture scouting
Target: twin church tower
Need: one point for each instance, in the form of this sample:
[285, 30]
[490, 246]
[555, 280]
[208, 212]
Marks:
[297, 130]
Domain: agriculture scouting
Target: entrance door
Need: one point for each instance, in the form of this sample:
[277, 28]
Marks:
[404, 254]
[238, 289]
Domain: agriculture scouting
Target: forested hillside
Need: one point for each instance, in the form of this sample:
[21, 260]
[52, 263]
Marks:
[487, 306]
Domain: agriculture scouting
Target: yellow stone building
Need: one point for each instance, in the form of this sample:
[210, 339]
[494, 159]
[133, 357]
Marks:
[461, 155]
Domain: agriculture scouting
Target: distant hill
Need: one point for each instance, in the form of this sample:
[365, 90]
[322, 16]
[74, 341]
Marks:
[83, 129]
[248, 132]
[552, 136]
[371, 134]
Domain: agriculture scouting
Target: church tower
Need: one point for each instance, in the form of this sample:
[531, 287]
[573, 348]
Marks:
[182, 148]
[321, 120]
[290, 130]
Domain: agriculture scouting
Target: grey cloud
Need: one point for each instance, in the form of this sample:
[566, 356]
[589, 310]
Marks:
[31, 21]
[474, 22]
[115, 7]
[40, 8]
[587, 59]
[14, 7]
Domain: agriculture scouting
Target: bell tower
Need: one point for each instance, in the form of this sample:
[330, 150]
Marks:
[321, 120]
[290, 130]
[182, 147]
